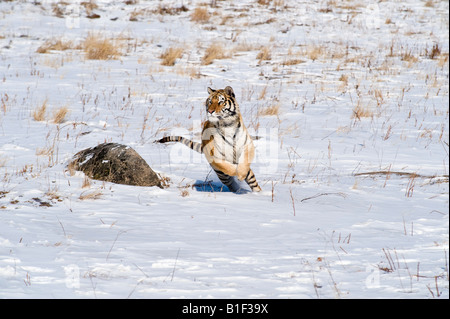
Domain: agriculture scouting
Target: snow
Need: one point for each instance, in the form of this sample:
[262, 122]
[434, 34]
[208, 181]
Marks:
[353, 165]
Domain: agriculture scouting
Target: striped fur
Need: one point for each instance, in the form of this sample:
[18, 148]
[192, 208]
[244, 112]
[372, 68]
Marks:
[192, 145]
[226, 143]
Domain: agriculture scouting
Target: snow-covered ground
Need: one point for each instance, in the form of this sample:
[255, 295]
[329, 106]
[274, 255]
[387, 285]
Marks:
[349, 102]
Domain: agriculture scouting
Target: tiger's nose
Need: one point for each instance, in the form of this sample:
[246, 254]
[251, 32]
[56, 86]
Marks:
[210, 111]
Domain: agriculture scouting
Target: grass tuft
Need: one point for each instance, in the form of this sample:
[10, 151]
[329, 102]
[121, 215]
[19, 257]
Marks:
[434, 52]
[360, 112]
[60, 114]
[39, 113]
[264, 55]
[270, 110]
[55, 45]
[213, 52]
[98, 47]
[90, 195]
[200, 15]
[171, 55]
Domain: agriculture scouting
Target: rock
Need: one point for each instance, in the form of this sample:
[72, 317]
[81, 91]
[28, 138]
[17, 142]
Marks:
[115, 163]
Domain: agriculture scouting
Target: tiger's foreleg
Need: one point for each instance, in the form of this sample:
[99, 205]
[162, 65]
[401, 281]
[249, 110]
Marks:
[228, 181]
[251, 181]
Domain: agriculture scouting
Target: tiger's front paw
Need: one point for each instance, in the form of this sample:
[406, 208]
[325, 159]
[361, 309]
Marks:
[256, 189]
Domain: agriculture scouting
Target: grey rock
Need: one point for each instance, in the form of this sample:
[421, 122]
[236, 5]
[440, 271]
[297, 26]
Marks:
[115, 163]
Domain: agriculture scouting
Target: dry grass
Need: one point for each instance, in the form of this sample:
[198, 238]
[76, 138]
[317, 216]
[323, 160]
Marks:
[95, 45]
[45, 151]
[5, 101]
[48, 152]
[162, 9]
[55, 45]
[277, 4]
[264, 54]
[200, 15]
[90, 195]
[314, 52]
[59, 116]
[434, 52]
[213, 52]
[184, 193]
[343, 79]
[137, 14]
[86, 182]
[192, 71]
[3, 161]
[293, 62]
[39, 113]
[378, 95]
[429, 4]
[55, 61]
[409, 57]
[361, 112]
[171, 55]
[89, 6]
[263, 93]
[98, 47]
[272, 110]
[443, 60]
[60, 8]
[244, 47]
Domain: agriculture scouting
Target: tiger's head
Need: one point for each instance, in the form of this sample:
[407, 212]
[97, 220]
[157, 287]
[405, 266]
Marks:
[221, 104]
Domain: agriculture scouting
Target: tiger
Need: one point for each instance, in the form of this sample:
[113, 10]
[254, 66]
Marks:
[226, 143]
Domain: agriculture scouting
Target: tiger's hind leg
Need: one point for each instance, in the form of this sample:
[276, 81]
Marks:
[251, 181]
[228, 181]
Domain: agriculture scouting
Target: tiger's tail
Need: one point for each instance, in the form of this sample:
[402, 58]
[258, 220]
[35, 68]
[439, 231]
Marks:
[192, 145]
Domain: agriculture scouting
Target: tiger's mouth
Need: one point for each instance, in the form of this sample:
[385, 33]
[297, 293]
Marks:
[214, 116]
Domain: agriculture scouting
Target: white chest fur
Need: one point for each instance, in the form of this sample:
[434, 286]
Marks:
[230, 142]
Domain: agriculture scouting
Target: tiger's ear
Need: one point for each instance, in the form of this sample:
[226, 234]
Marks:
[211, 91]
[229, 90]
